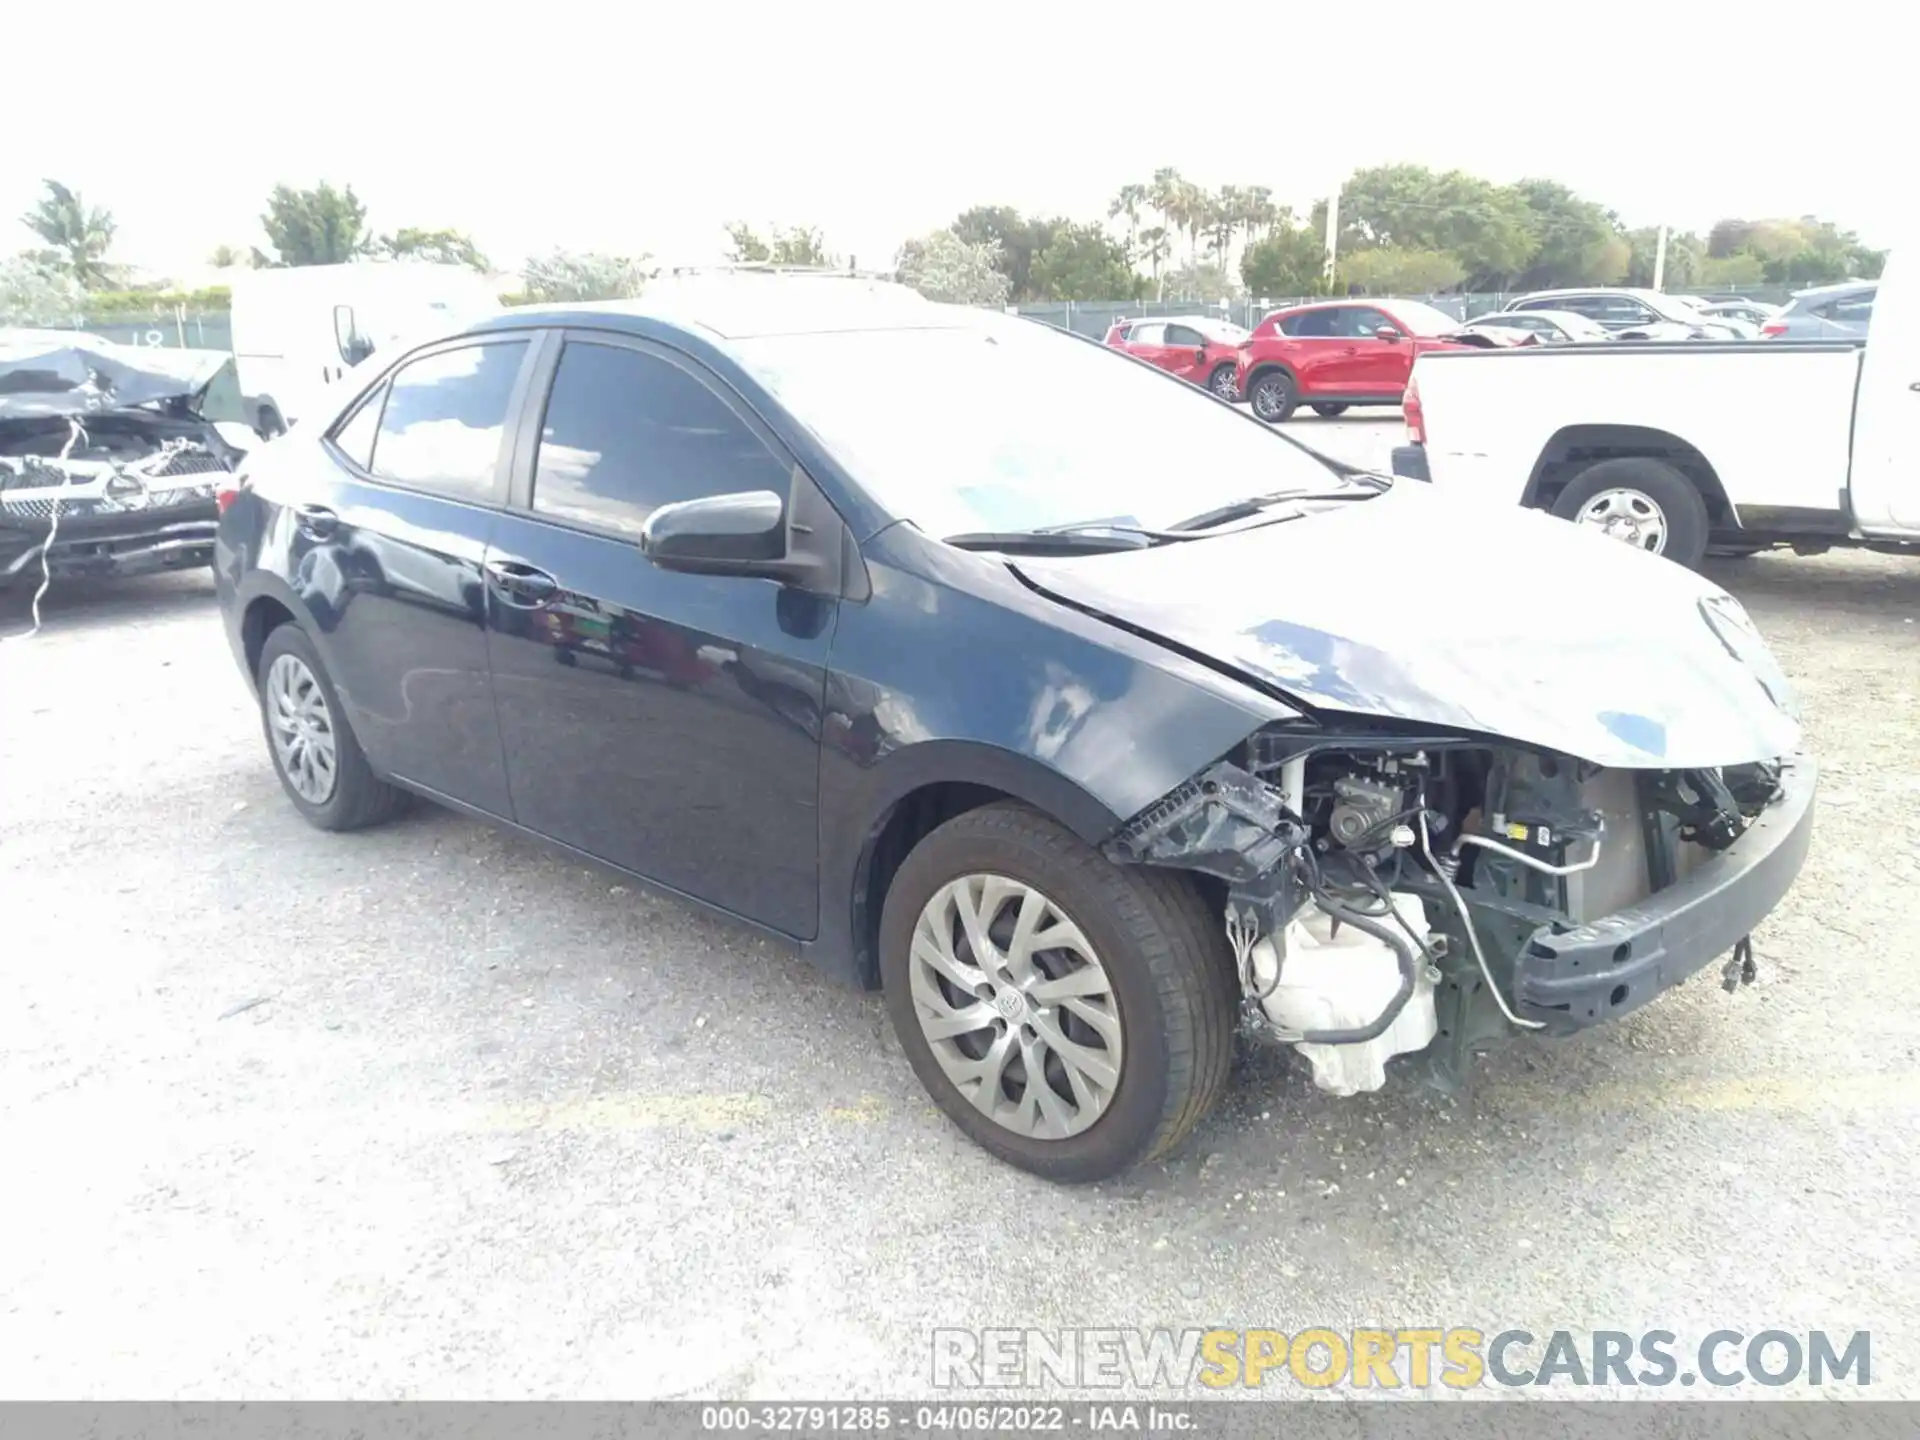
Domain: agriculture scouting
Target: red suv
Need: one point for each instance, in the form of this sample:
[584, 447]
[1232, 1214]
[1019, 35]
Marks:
[1194, 347]
[1337, 353]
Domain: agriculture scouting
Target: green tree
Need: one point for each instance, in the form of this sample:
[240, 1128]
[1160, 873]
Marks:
[1391, 270]
[440, 247]
[229, 257]
[321, 226]
[1578, 241]
[1017, 239]
[801, 245]
[34, 292]
[1131, 200]
[1083, 262]
[1155, 248]
[78, 235]
[1685, 252]
[942, 266]
[566, 275]
[1208, 281]
[1288, 262]
[1742, 267]
[1490, 228]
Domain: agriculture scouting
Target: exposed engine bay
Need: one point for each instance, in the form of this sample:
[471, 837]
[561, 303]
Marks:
[1383, 894]
[115, 463]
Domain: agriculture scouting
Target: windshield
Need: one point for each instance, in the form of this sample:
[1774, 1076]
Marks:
[1004, 424]
[1421, 319]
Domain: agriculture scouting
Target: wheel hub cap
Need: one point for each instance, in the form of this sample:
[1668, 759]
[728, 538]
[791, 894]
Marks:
[1630, 516]
[1016, 1007]
[301, 727]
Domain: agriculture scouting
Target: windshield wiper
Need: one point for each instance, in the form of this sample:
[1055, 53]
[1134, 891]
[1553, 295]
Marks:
[1366, 487]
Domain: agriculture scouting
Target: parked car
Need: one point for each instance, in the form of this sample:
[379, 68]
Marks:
[1194, 347]
[108, 454]
[1748, 312]
[1658, 445]
[1553, 327]
[1075, 764]
[299, 330]
[1337, 354]
[1828, 312]
[1648, 314]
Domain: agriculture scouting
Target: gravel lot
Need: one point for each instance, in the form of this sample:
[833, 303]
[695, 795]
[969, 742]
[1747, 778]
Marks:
[426, 1111]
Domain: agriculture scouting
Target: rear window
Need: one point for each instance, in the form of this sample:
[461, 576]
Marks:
[445, 414]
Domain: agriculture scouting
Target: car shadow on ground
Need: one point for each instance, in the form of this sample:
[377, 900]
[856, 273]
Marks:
[72, 605]
[1848, 581]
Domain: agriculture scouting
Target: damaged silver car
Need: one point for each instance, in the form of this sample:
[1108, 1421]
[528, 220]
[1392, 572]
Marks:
[109, 455]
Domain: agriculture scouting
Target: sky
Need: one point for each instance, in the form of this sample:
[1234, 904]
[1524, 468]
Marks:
[645, 128]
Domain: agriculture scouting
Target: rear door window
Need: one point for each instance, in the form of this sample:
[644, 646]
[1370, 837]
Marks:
[354, 439]
[441, 427]
[1154, 334]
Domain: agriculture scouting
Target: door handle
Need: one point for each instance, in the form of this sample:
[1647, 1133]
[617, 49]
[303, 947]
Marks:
[316, 521]
[520, 584]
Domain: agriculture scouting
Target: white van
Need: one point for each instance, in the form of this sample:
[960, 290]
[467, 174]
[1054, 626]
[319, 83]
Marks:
[298, 331]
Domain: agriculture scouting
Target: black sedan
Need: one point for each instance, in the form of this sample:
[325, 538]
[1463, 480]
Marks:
[1081, 713]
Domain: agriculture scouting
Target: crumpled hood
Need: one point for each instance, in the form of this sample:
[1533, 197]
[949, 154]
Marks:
[52, 372]
[1414, 606]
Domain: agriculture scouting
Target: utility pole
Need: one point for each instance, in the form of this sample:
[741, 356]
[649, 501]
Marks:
[1333, 234]
[1660, 261]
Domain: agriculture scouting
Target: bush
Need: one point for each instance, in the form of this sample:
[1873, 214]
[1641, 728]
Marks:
[154, 304]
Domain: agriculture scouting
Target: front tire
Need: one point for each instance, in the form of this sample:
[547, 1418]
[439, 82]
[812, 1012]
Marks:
[1643, 502]
[1072, 1016]
[1329, 411]
[1273, 396]
[319, 762]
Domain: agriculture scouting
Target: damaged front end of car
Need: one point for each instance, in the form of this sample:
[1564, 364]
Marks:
[110, 458]
[1389, 891]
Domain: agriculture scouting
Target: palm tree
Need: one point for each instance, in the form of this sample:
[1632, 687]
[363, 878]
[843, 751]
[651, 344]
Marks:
[1166, 194]
[1156, 248]
[1258, 212]
[1128, 203]
[80, 236]
[1223, 218]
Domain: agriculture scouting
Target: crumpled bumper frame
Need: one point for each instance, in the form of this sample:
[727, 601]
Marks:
[1600, 971]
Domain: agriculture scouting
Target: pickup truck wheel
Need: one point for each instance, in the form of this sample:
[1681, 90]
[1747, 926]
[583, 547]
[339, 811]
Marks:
[1073, 1016]
[1273, 396]
[1329, 410]
[1641, 501]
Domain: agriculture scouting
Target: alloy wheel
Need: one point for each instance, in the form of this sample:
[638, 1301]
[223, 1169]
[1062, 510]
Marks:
[302, 726]
[1016, 1006]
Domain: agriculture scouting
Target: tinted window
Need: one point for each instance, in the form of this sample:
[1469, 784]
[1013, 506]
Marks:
[1849, 307]
[440, 430]
[626, 432]
[1310, 323]
[1184, 335]
[1358, 322]
[1148, 335]
[355, 438]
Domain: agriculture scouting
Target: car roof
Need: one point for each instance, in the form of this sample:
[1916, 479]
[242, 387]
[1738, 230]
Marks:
[731, 308]
[1512, 315]
[1839, 287]
[1634, 290]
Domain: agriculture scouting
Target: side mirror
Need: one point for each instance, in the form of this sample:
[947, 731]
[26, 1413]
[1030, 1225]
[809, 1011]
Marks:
[358, 349]
[1387, 333]
[799, 540]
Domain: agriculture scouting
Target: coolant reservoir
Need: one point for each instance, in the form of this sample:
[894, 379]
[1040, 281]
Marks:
[1341, 980]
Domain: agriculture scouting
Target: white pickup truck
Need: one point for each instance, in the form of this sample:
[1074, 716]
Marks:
[1689, 447]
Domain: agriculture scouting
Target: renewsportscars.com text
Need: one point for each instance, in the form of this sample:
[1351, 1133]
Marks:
[1417, 1357]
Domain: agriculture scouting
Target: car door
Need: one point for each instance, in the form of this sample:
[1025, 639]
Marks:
[1317, 346]
[1357, 361]
[1148, 341]
[388, 558]
[1883, 482]
[665, 722]
[1186, 354]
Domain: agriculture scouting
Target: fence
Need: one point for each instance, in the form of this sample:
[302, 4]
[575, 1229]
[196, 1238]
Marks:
[1093, 317]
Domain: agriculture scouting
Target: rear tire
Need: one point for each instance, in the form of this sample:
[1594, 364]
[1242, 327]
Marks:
[1161, 976]
[1224, 383]
[293, 686]
[1273, 396]
[1643, 502]
[1329, 411]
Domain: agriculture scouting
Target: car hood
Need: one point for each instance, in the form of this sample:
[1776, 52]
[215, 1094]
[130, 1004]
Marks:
[1499, 621]
[51, 373]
